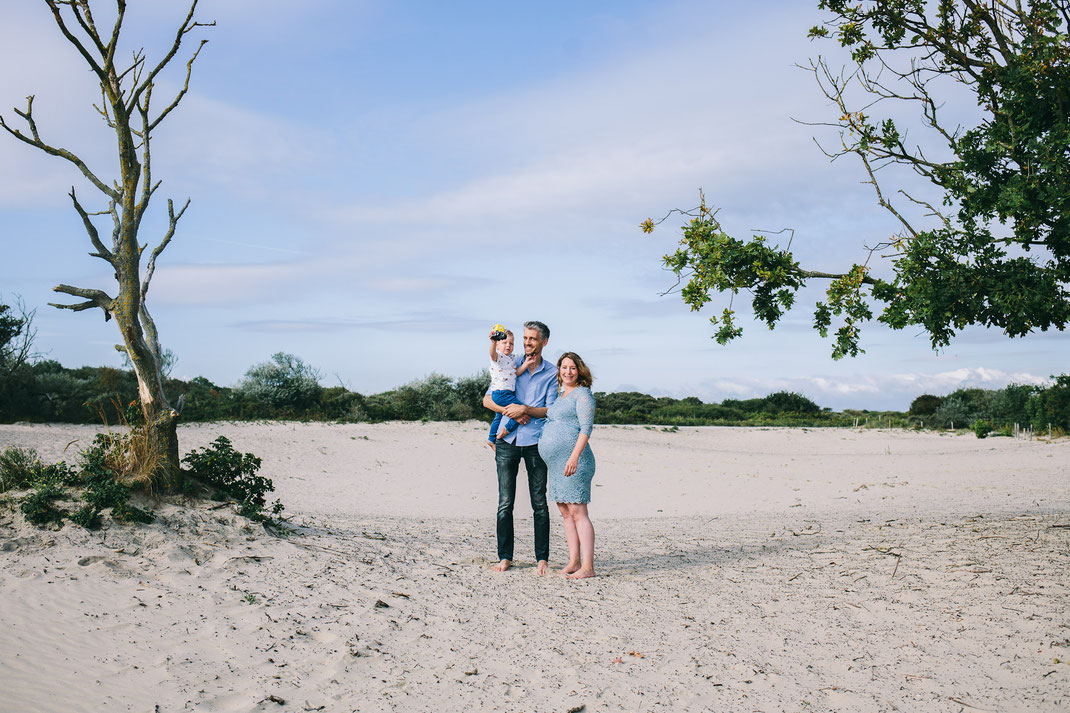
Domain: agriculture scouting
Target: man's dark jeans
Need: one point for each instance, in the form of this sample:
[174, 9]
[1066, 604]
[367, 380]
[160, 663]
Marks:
[508, 457]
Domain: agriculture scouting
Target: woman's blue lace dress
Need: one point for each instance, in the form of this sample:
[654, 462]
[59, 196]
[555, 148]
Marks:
[566, 419]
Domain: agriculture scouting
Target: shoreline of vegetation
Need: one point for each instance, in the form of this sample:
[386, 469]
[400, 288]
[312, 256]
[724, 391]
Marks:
[285, 388]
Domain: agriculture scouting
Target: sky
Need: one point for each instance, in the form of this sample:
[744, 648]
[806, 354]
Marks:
[374, 184]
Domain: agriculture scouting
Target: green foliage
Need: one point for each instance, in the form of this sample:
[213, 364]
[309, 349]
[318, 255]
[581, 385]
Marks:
[782, 408]
[87, 516]
[925, 405]
[1051, 406]
[18, 468]
[982, 428]
[996, 251]
[953, 410]
[22, 468]
[233, 475]
[39, 506]
[285, 382]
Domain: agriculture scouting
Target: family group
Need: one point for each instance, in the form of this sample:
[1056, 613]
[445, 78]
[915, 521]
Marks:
[545, 414]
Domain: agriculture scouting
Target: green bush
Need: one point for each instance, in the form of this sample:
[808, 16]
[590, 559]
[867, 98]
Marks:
[39, 508]
[925, 405]
[982, 428]
[233, 475]
[285, 382]
[19, 468]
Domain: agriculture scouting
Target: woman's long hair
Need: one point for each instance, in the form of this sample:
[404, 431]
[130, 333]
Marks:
[583, 372]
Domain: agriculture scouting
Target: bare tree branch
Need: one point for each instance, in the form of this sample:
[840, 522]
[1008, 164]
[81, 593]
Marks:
[181, 93]
[94, 236]
[35, 140]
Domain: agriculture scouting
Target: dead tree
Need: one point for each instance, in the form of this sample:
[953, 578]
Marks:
[126, 107]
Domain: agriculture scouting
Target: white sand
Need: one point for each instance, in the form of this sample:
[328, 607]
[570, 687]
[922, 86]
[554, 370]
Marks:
[740, 570]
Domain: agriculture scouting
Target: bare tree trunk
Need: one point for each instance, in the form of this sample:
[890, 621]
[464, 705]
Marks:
[126, 94]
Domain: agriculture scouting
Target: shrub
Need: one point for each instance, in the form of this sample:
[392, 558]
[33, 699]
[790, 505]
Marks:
[21, 468]
[953, 410]
[789, 402]
[925, 405]
[233, 474]
[982, 428]
[18, 468]
[285, 382]
[38, 506]
[1051, 405]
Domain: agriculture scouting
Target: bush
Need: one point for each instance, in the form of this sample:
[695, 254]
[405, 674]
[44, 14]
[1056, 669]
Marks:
[953, 410]
[982, 428]
[925, 405]
[285, 382]
[21, 468]
[233, 474]
[18, 468]
[1051, 405]
[38, 506]
[789, 402]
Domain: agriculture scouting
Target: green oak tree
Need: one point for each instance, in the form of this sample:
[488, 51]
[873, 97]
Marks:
[992, 245]
[127, 107]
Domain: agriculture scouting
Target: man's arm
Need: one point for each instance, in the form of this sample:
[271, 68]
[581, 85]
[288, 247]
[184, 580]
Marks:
[517, 412]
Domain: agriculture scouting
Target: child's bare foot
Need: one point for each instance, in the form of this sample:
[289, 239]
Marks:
[492, 445]
[570, 568]
[502, 566]
[502, 433]
[582, 573]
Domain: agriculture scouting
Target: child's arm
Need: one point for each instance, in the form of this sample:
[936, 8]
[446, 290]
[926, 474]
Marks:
[523, 367]
[493, 351]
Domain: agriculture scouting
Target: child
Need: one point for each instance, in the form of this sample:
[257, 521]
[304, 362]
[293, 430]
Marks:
[503, 373]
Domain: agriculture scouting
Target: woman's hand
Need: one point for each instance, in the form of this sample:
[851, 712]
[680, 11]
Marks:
[571, 465]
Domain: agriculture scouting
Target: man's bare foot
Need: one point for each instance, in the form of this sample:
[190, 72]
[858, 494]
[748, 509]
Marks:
[582, 573]
[570, 568]
[502, 566]
[542, 567]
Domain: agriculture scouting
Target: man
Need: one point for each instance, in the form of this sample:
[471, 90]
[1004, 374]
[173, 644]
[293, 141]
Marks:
[536, 389]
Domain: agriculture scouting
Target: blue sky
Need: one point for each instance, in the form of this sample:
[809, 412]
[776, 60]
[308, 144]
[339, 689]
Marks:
[374, 184]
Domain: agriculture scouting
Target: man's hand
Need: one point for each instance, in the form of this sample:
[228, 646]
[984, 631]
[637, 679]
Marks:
[517, 412]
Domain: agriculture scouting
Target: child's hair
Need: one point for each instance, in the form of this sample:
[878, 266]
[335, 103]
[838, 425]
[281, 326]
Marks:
[509, 333]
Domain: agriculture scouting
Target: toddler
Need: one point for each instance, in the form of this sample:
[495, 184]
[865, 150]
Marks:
[503, 373]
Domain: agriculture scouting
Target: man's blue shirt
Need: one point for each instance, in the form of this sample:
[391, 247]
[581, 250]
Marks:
[536, 388]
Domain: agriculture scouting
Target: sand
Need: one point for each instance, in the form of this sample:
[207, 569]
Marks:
[739, 570]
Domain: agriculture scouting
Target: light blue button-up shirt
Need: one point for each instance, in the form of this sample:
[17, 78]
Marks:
[536, 388]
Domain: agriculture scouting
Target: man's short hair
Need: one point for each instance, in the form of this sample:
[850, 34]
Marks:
[542, 329]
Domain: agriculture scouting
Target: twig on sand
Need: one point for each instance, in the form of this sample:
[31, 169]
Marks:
[373, 535]
[795, 577]
[310, 546]
[254, 558]
[964, 703]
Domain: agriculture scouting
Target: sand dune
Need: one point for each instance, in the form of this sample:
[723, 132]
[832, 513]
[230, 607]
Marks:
[740, 570]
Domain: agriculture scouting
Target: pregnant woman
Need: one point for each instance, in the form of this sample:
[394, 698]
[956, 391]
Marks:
[570, 462]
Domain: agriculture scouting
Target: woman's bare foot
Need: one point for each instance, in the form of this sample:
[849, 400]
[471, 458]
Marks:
[570, 568]
[502, 566]
[582, 573]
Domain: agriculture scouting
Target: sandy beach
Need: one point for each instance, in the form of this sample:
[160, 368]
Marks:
[740, 569]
